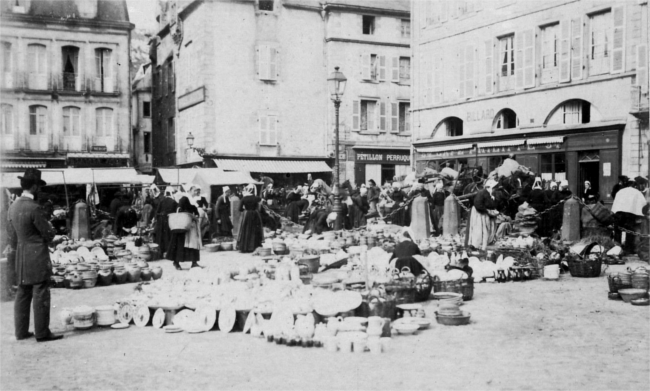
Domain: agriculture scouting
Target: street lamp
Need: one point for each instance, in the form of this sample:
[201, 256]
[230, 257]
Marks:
[336, 83]
[190, 143]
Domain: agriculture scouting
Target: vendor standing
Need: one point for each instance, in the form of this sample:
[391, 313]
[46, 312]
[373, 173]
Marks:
[628, 213]
[185, 246]
[483, 224]
[420, 217]
[251, 232]
[438, 198]
[222, 222]
[30, 233]
[162, 232]
[399, 197]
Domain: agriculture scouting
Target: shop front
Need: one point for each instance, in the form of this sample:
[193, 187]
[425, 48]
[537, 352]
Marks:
[381, 165]
[577, 155]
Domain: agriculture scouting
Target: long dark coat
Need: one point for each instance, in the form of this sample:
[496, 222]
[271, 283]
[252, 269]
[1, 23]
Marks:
[222, 213]
[162, 232]
[29, 233]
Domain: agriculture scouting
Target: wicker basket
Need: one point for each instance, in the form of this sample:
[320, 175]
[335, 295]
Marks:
[585, 269]
[615, 283]
[462, 286]
[180, 222]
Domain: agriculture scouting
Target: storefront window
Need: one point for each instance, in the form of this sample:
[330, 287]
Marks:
[553, 166]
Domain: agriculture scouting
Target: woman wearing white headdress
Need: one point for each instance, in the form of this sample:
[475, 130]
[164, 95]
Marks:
[482, 221]
[251, 232]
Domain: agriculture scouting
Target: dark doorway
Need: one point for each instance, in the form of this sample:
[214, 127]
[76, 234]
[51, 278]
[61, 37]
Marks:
[589, 171]
[387, 173]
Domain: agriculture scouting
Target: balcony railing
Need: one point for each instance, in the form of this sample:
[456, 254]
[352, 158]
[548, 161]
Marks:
[106, 85]
[71, 82]
[639, 101]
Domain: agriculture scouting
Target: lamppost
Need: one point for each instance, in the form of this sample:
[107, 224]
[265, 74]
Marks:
[336, 83]
[190, 143]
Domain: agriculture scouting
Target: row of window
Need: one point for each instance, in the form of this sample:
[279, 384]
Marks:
[38, 68]
[572, 112]
[570, 50]
[438, 12]
[368, 26]
[370, 115]
[376, 67]
[71, 121]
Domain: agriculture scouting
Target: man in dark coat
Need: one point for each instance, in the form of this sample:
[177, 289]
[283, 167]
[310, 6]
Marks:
[222, 223]
[162, 233]
[29, 233]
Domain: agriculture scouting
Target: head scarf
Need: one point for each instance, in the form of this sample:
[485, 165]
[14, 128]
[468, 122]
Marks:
[226, 188]
[553, 185]
[155, 191]
[439, 185]
[587, 185]
[491, 183]
[538, 183]
[169, 191]
[250, 190]
[184, 204]
[564, 182]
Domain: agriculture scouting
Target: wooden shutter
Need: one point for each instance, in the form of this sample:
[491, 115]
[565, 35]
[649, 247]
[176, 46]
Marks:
[529, 58]
[382, 116]
[489, 67]
[382, 68]
[519, 60]
[437, 79]
[274, 69]
[394, 117]
[642, 67]
[576, 48]
[262, 62]
[565, 51]
[429, 80]
[272, 130]
[356, 114]
[108, 70]
[407, 119]
[394, 71]
[469, 71]
[461, 71]
[264, 129]
[365, 66]
[618, 39]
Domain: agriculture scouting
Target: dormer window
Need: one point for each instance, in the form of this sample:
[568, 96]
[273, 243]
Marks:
[266, 5]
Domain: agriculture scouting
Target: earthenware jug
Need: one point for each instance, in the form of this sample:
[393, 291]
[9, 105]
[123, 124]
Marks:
[375, 326]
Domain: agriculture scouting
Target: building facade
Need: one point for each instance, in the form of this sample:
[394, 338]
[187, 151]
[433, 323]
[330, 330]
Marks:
[141, 112]
[65, 83]
[561, 84]
[248, 80]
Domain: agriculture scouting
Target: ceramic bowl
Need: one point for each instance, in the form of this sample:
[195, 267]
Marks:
[406, 328]
[630, 294]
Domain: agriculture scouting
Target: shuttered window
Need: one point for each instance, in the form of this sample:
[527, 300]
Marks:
[565, 51]
[104, 122]
[7, 118]
[404, 70]
[268, 126]
[404, 117]
[550, 53]
[368, 115]
[642, 67]
[71, 121]
[267, 58]
[618, 39]
[600, 43]
[37, 120]
[506, 63]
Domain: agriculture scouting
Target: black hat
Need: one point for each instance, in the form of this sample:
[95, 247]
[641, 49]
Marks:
[33, 174]
[623, 178]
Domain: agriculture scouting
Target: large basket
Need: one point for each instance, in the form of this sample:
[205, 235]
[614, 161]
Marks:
[180, 221]
[585, 269]
[615, 283]
[463, 286]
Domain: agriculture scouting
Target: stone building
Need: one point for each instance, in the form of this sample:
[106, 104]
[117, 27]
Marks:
[561, 84]
[141, 118]
[248, 80]
[65, 83]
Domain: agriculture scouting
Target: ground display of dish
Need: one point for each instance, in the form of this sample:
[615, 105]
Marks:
[539, 334]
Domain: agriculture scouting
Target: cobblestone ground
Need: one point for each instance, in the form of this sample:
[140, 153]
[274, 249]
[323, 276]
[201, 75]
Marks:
[534, 335]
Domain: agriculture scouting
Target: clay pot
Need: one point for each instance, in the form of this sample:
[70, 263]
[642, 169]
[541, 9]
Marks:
[145, 274]
[120, 276]
[133, 273]
[105, 277]
[156, 272]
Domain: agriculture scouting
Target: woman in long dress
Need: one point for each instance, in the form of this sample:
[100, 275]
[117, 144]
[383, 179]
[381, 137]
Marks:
[438, 201]
[222, 223]
[162, 232]
[482, 224]
[399, 197]
[420, 218]
[185, 246]
[251, 232]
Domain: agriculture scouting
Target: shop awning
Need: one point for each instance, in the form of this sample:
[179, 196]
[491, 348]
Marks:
[78, 176]
[177, 176]
[146, 179]
[22, 164]
[445, 148]
[78, 155]
[501, 143]
[218, 177]
[273, 166]
[545, 140]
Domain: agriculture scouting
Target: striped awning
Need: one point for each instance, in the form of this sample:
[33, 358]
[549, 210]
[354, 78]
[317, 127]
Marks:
[501, 143]
[445, 148]
[273, 166]
[545, 140]
[22, 164]
[98, 155]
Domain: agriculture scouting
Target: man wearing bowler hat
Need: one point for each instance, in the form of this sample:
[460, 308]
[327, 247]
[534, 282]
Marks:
[29, 233]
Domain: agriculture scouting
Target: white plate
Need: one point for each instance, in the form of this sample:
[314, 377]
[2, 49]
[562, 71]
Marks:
[141, 316]
[125, 313]
[183, 319]
[171, 331]
[158, 318]
[206, 317]
[227, 318]
[250, 321]
[119, 326]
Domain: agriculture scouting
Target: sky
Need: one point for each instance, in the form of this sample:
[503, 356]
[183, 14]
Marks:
[142, 13]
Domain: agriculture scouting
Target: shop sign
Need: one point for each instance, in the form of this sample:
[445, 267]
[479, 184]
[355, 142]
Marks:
[192, 98]
[480, 115]
[487, 151]
[98, 148]
[389, 157]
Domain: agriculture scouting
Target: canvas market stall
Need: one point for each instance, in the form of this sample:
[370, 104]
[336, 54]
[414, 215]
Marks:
[207, 178]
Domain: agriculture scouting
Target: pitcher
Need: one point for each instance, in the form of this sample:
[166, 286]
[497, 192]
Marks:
[375, 326]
